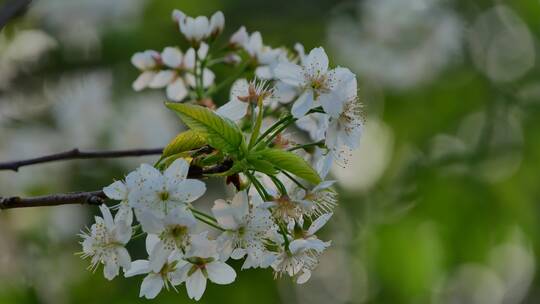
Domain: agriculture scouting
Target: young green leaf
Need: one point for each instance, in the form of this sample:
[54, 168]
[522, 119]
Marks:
[185, 141]
[220, 133]
[291, 163]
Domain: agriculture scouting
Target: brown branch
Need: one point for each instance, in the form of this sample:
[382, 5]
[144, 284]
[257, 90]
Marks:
[11, 10]
[83, 198]
[77, 154]
[93, 197]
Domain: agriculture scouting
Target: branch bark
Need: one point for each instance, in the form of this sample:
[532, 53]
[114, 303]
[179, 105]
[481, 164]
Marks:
[11, 10]
[83, 198]
[77, 154]
[93, 197]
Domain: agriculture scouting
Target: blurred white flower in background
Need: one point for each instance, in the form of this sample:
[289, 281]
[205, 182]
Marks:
[140, 123]
[501, 45]
[78, 24]
[82, 108]
[504, 278]
[20, 51]
[500, 143]
[21, 107]
[368, 163]
[26, 142]
[400, 43]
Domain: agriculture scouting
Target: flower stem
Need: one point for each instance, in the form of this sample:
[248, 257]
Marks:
[319, 143]
[258, 124]
[279, 185]
[273, 127]
[260, 189]
[207, 222]
[208, 216]
[299, 184]
[230, 79]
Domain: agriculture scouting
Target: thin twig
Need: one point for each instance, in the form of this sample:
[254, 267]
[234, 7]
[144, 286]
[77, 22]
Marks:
[83, 198]
[77, 154]
[92, 197]
[11, 10]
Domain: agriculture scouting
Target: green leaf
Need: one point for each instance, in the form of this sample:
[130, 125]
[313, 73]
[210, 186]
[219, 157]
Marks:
[290, 162]
[185, 141]
[221, 133]
[262, 165]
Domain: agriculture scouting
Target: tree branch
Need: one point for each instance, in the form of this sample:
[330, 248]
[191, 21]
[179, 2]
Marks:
[11, 10]
[83, 198]
[77, 154]
[93, 197]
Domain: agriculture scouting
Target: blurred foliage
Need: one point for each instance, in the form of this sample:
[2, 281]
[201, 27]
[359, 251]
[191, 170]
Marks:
[462, 176]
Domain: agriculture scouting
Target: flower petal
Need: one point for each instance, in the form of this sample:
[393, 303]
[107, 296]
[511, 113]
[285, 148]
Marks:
[159, 256]
[110, 271]
[162, 79]
[177, 171]
[233, 110]
[224, 215]
[290, 73]
[195, 285]
[143, 80]
[123, 257]
[303, 104]
[151, 242]
[177, 90]
[316, 62]
[150, 223]
[319, 223]
[304, 277]
[172, 57]
[188, 190]
[116, 191]
[220, 273]
[137, 267]
[107, 217]
[151, 286]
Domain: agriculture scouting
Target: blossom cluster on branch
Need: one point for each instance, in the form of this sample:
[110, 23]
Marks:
[282, 195]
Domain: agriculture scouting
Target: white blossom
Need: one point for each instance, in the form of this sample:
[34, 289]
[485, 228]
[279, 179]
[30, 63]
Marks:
[316, 124]
[173, 232]
[199, 28]
[346, 123]
[146, 62]
[243, 95]
[317, 201]
[176, 66]
[105, 242]
[239, 38]
[314, 80]
[302, 254]
[160, 193]
[217, 23]
[168, 275]
[246, 225]
[203, 263]
[119, 191]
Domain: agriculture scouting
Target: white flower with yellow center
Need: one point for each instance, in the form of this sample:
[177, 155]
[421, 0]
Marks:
[173, 232]
[168, 275]
[247, 225]
[160, 193]
[244, 95]
[346, 121]
[317, 201]
[314, 80]
[105, 244]
[302, 254]
[203, 263]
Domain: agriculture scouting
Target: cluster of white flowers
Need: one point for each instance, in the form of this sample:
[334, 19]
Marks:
[282, 200]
